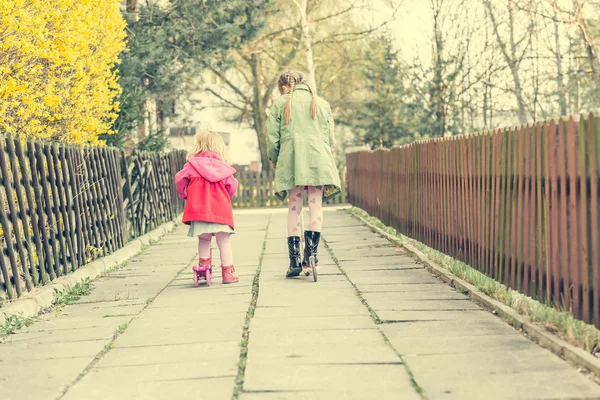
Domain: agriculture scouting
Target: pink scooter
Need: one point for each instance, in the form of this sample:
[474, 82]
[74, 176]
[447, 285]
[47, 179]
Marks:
[204, 271]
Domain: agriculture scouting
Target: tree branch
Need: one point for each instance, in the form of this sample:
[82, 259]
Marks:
[224, 100]
[230, 84]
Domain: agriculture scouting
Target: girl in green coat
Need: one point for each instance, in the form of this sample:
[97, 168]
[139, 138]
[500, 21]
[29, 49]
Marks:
[300, 139]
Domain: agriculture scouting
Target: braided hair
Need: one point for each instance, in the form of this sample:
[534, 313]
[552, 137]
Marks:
[290, 79]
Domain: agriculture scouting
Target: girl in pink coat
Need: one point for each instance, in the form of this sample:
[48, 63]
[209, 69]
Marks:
[207, 184]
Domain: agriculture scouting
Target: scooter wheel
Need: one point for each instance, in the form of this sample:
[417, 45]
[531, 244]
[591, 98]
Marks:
[313, 267]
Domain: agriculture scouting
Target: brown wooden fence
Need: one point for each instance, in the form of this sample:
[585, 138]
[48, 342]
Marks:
[257, 189]
[63, 206]
[518, 204]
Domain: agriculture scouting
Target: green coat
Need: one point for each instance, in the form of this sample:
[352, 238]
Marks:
[301, 151]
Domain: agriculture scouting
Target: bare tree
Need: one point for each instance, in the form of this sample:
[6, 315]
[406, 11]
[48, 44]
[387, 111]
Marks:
[249, 83]
[302, 6]
[513, 51]
[560, 79]
[580, 21]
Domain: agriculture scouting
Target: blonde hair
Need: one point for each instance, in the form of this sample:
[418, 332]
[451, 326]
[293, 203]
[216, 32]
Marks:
[209, 141]
[292, 78]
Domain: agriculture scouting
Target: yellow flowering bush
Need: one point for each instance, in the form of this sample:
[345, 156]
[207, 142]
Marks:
[57, 75]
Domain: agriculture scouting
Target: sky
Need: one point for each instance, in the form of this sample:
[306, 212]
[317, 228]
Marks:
[411, 27]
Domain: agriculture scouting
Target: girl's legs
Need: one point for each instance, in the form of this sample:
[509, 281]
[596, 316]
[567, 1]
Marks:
[227, 269]
[293, 228]
[204, 246]
[294, 211]
[312, 236]
[224, 243]
[315, 206]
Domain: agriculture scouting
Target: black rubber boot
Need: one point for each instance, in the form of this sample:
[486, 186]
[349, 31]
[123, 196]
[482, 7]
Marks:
[311, 246]
[295, 262]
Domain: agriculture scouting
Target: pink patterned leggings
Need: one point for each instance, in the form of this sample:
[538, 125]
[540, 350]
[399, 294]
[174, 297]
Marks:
[315, 207]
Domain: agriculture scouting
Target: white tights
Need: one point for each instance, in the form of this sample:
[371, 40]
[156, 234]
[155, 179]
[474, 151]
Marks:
[224, 243]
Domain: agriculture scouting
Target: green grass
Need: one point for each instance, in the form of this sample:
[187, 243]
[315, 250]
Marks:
[76, 292]
[121, 329]
[13, 323]
[559, 322]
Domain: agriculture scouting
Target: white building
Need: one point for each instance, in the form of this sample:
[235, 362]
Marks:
[202, 111]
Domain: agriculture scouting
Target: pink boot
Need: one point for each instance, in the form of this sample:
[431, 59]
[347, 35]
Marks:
[229, 275]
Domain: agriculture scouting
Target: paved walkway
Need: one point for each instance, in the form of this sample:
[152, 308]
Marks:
[146, 333]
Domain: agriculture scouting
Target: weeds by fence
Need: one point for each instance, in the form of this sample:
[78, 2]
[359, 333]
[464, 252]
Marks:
[518, 204]
[62, 206]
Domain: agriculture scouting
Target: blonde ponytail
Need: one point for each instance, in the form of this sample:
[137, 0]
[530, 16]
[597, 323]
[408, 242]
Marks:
[313, 106]
[287, 109]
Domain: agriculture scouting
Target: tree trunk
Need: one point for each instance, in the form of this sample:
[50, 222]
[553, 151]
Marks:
[510, 58]
[307, 40]
[514, 64]
[438, 79]
[259, 115]
[562, 90]
[588, 42]
[132, 8]
[260, 126]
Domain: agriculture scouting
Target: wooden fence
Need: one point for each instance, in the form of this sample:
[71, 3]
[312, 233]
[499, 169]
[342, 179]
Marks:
[518, 204]
[257, 189]
[63, 206]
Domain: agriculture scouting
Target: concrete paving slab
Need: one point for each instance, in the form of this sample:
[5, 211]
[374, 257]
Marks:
[464, 304]
[423, 315]
[374, 381]
[204, 353]
[318, 353]
[391, 287]
[446, 328]
[315, 323]
[516, 386]
[25, 352]
[205, 386]
[38, 379]
[399, 297]
[522, 374]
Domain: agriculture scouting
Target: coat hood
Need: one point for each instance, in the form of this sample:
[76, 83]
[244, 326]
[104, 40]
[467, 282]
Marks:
[210, 166]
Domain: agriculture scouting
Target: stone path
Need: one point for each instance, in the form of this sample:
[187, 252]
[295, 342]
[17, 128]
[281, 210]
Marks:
[376, 325]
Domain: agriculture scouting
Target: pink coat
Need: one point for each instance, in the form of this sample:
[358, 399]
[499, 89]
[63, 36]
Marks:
[207, 184]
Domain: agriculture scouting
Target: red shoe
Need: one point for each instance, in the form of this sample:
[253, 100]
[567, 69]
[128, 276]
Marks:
[228, 274]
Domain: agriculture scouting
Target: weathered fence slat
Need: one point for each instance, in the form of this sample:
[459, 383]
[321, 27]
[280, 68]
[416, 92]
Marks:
[23, 243]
